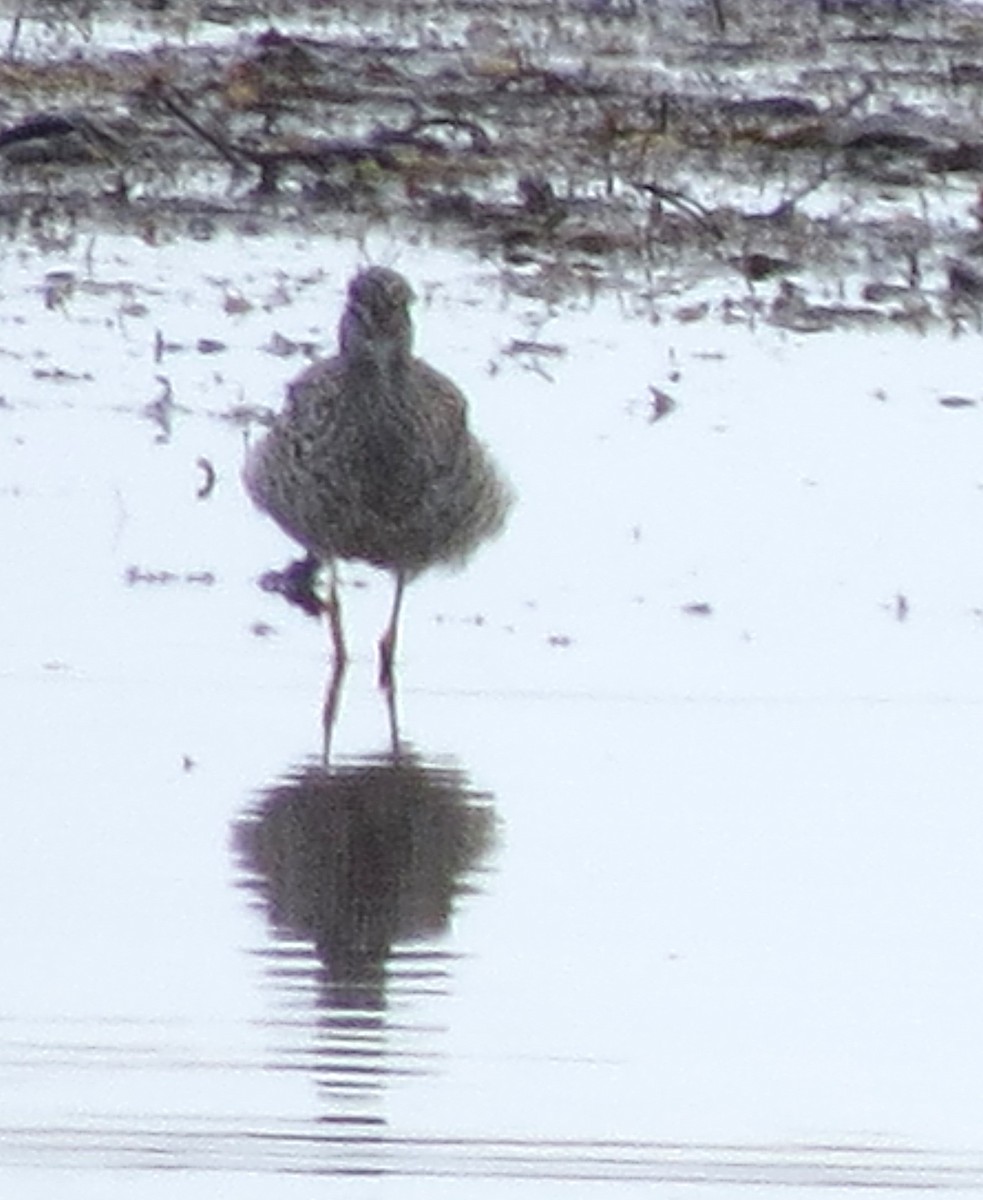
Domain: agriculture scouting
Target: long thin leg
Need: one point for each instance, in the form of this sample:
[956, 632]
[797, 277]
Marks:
[395, 746]
[332, 609]
[329, 714]
[387, 643]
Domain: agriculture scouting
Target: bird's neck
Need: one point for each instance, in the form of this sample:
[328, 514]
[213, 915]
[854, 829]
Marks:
[383, 363]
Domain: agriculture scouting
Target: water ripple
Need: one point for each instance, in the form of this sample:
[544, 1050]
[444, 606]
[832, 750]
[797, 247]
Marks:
[373, 1152]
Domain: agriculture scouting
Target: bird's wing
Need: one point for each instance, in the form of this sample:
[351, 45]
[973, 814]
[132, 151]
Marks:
[314, 391]
[444, 398]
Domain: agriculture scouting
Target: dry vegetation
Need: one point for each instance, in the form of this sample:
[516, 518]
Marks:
[828, 147]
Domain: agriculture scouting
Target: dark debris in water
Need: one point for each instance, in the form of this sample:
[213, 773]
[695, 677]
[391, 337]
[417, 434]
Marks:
[579, 143]
[297, 584]
[60, 375]
[134, 575]
[208, 478]
[660, 404]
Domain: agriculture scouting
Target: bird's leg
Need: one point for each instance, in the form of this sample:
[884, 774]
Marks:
[332, 610]
[329, 713]
[395, 746]
[387, 643]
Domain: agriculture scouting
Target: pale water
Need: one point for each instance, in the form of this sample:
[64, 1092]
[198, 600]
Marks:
[678, 878]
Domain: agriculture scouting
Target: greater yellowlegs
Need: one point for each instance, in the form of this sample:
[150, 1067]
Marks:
[372, 458]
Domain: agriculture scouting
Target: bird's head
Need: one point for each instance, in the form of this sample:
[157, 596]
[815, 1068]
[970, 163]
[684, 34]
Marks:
[376, 319]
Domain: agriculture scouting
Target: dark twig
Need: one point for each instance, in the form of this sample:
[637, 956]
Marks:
[175, 104]
[318, 154]
[685, 204]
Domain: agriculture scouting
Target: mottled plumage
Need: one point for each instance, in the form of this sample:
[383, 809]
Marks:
[372, 458]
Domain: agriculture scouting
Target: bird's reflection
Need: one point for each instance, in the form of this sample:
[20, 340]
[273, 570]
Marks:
[361, 862]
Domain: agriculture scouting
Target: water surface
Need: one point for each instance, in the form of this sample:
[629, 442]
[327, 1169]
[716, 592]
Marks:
[673, 877]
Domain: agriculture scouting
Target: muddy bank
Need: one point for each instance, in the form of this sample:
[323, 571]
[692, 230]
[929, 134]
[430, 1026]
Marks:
[815, 161]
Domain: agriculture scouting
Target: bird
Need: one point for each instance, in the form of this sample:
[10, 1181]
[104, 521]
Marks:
[371, 459]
